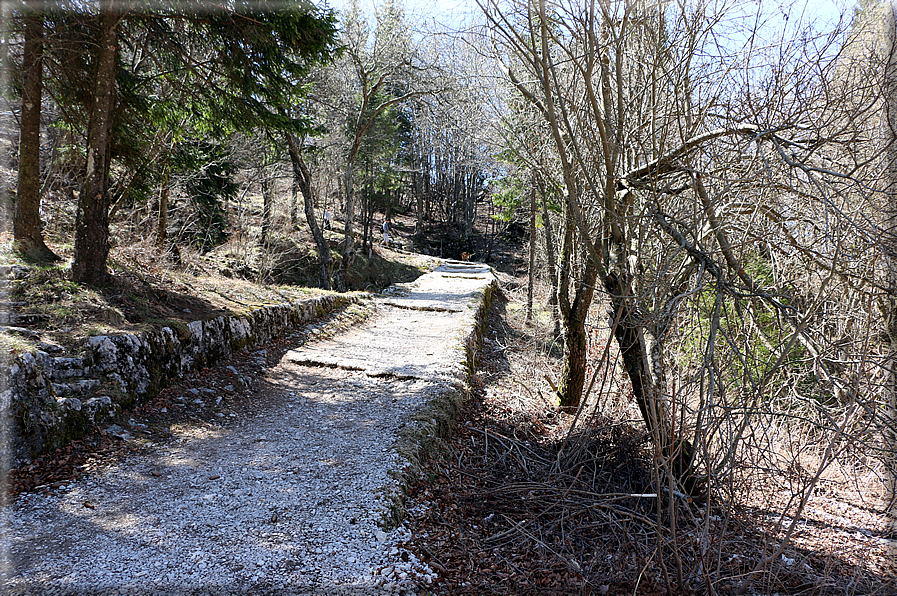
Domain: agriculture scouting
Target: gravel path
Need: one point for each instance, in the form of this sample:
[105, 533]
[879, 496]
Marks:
[287, 500]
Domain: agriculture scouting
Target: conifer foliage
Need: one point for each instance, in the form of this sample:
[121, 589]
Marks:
[134, 79]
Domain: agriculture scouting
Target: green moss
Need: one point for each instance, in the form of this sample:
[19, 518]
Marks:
[46, 285]
[179, 327]
[74, 425]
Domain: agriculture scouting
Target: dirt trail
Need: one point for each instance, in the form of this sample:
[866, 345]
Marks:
[414, 339]
[288, 500]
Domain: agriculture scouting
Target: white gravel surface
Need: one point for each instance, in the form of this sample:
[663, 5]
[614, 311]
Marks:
[290, 500]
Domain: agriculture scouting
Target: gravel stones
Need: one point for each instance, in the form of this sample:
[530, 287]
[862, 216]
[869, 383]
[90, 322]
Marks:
[289, 499]
[288, 502]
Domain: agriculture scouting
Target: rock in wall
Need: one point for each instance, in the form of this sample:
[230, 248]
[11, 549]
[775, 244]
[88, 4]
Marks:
[47, 401]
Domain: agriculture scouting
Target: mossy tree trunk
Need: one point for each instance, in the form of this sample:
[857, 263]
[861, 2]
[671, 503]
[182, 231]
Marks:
[573, 315]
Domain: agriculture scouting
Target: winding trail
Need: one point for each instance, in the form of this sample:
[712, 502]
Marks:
[288, 500]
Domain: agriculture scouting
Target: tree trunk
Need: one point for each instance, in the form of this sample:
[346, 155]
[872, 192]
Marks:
[164, 196]
[532, 251]
[26, 220]
[266, 208]
[642, 355]
[349, 237]
[367, 215]
[573, 319]
[302, 177]
[162, 229]
[294, 205]
[418, 185]
[469, 201]
[427, 192]
[92, 219]
[889, 139]
[627, 331]
[552, 266]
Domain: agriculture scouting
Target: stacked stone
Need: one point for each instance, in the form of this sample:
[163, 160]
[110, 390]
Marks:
[49, 400]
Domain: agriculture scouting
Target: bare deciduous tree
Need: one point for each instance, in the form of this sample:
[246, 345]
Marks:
[303, 178]
[376, 77]
[719, 196]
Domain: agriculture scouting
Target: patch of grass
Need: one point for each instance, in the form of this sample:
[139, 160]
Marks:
[14, 344]
[46, 285]
[383, 268]
[179, 327]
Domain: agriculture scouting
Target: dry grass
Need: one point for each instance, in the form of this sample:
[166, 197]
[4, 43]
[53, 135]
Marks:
[148, 290]
[528, 500]
[154, 287]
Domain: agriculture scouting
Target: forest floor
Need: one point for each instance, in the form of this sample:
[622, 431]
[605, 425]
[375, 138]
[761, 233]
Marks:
[517, 504]
[43, 307]
[152, 288]
[526, 500]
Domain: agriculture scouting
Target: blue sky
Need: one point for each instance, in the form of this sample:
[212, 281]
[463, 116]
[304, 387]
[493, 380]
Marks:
[454, 11]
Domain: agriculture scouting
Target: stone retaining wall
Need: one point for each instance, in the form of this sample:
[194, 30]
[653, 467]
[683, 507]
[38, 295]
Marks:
[421, 439]
[50, 400]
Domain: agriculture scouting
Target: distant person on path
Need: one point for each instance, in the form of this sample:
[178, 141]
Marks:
[386, 231]
[326, 219]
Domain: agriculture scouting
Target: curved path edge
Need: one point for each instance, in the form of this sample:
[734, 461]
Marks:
[437, 418]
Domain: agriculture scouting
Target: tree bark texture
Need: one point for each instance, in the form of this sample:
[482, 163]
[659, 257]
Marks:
[627, 331]
[573, 373]
[573, 320]
[889, 138]
[165, 194]
[302, 177]
[162, 228]
[348, 232]
[364, 221]
[552, 266]
[267, 207]
[294, 204]
[532, 251]
[26, 219]
[417, 185]
[92, 219]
